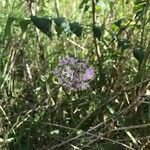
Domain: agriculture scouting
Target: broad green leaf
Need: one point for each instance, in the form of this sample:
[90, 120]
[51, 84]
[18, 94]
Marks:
[76, 28]
[138, 54]
[43, 24]
[62, 25]
[118, 22]
[97, 31]
[84, 5]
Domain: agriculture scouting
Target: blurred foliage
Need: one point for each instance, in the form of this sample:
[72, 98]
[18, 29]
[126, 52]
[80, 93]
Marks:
[37, 113]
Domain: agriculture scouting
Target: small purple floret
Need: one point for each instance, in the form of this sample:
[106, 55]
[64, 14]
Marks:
[89, 73]
[73, 73]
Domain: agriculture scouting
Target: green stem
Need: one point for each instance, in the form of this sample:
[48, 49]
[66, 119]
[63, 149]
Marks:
[95, 40]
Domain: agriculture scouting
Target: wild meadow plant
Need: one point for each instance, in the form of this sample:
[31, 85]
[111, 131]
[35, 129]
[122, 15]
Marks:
[73, 73]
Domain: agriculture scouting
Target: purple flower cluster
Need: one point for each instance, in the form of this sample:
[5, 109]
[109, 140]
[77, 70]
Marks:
[73, 73]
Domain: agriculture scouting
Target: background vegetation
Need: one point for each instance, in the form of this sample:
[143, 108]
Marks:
[37, 113]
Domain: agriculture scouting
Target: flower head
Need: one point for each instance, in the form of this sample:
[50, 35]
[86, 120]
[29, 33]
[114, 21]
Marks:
[73, 73]
[89, 73]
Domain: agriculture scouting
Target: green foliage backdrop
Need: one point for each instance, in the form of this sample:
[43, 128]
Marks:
[112, 36]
